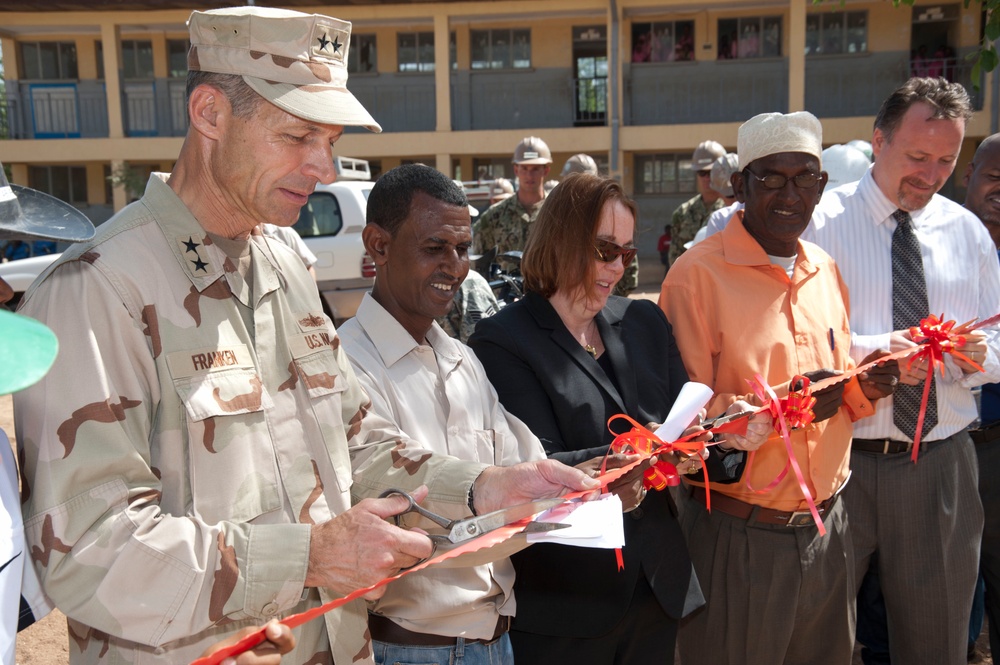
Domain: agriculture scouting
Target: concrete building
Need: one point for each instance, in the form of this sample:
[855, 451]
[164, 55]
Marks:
[95, 85]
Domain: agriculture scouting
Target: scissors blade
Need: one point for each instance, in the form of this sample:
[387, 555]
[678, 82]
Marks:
[474, 527]
[542, 527]
[723, 419]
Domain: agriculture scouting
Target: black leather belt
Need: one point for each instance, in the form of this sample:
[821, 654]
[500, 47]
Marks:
[759, 514]
[386, 630]
[986, 434]
[888, 446]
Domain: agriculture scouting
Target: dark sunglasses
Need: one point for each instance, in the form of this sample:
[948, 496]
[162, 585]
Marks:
[776, 181]
[606, 251]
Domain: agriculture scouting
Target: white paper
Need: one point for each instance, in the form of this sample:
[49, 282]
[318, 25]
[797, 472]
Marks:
[592, 524]
[691, 400]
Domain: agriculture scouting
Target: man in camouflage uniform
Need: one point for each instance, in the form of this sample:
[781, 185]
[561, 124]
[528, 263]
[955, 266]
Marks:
[693, 213]
[475, 300]
[192, 458]
[506, 224]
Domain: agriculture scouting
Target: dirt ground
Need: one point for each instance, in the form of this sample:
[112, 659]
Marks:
[46, 642]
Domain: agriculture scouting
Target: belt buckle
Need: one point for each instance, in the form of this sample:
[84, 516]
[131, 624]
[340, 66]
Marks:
[800, 518]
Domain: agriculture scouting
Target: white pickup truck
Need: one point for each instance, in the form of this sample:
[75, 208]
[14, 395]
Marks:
[330, 224]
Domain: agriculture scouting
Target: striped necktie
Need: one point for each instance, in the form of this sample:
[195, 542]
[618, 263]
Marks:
[909, 306]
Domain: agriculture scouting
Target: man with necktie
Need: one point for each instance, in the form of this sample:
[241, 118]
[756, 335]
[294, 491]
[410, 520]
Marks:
[905, 252]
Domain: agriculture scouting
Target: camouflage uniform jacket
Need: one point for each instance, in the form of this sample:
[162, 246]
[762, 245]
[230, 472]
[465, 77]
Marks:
[687, 219]
[504, 226]
[190, 432]
[475, 300]
[630, 279]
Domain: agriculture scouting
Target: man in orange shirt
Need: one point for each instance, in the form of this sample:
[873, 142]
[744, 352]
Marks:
[754, 299]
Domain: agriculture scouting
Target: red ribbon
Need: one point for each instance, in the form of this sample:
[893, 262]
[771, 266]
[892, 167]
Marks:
[791, 412]
[936, 338]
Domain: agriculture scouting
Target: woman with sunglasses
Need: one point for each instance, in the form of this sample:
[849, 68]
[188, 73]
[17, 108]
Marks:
[564, 359]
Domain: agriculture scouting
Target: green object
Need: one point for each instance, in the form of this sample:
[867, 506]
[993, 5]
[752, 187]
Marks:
[27, 350]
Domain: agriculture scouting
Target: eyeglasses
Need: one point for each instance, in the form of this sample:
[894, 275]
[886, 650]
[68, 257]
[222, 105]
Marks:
[704, 174]
[606, 251]
[777, 181]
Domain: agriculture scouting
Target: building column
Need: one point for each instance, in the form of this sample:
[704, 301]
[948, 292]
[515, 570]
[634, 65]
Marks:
[797, 56]
[119, 197]
[111, 41]
[442, 76]
[442, 162]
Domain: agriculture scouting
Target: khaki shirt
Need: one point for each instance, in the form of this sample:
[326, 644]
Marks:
[438, 392]
[175, 457]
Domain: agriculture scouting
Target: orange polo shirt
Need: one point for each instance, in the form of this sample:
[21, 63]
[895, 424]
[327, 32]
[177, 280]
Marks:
[734, 315]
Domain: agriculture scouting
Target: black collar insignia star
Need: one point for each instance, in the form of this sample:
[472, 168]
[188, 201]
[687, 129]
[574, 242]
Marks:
[191, 245]
[324, 42]
[200, 265]
[336, 44]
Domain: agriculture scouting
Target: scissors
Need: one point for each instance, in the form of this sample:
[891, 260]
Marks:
[723, 419]
[459, 531]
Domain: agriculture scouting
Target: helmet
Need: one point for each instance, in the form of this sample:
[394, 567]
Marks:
[579, 163]
[844, 164]
[532, 150]
[706, 153]
[722, 169]
[863, 146]
[500, 189]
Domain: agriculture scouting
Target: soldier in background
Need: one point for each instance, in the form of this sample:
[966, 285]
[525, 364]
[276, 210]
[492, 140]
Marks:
[693, 213]
[505, 225]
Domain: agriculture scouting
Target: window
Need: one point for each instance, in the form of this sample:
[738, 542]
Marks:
[501, 49]
[664, 173]
[48, 61]
[137, 59]
[67, 183]
[177, 58]
[836, 32]
[664, 41]
[320, 216]
[363, 56]
[416, 51]
[750, 37]
[490, 168]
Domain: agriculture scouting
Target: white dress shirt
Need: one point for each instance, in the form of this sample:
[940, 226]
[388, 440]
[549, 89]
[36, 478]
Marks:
[438, 393]
[718, 219]
[854, 224]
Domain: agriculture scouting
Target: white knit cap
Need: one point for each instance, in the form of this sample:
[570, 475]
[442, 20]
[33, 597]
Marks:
[771, 133]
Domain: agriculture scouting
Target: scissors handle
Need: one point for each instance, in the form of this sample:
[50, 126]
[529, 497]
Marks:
[414, 507]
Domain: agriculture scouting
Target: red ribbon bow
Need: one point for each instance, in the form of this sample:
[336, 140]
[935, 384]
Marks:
[936, 338]
[791, 412]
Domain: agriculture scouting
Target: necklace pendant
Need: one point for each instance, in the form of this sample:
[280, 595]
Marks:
[591, 350]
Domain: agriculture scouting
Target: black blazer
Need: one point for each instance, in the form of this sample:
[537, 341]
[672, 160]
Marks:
[544, 377]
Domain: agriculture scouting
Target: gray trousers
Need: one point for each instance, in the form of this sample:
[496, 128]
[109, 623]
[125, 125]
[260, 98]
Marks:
[775, 594]
[925, 521]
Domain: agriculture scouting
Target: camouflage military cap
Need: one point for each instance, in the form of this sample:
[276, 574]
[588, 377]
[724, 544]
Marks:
[296, 61]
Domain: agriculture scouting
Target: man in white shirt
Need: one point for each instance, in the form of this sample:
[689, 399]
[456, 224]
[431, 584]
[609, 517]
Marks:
[922, 522]
[432, 387]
